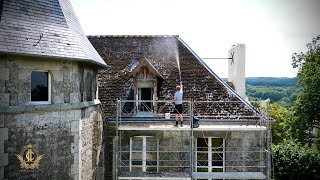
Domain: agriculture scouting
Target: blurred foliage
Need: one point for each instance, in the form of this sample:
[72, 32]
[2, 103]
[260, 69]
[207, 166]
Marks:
[296, 158]
[279, 129]
[272, 81]
[285, 95]
[306, 110]
[292, 160]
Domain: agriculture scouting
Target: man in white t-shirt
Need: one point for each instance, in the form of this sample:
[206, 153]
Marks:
[178, 103]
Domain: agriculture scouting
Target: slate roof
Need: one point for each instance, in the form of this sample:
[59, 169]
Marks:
[123, 53]
[44, 28]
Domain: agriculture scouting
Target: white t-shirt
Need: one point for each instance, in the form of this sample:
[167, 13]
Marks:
[178, 95]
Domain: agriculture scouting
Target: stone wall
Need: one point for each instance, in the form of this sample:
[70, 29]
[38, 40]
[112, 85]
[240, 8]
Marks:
[67, 131]
[242, 148]
[3, 153]
[246, 151]
[51, 136]
[91, 140]
[72, 81]
[109, 135]
[69, 140]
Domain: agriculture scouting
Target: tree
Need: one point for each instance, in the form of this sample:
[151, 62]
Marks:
[279, 129]
[306, 109]
[292, 160]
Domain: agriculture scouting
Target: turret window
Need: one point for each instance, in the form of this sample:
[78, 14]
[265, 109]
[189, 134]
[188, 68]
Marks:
[40, 87]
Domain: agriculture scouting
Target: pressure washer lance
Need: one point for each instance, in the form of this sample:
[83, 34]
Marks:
[178, 64]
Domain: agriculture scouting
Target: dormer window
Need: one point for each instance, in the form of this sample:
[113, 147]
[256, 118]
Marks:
[145, 78]
[40, 87]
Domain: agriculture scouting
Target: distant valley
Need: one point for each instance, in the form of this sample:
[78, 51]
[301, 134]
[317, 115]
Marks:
[282, 90]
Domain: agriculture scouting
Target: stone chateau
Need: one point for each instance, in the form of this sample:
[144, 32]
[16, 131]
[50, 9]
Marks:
[50, 116]
[53, 125]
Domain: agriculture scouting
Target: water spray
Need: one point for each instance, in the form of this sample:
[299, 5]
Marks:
[178, 63]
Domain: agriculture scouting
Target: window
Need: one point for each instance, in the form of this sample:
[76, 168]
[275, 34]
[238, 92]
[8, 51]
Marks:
[40, 87]
[210, 154]
[143, 154]
[146, 81]
[145, 96]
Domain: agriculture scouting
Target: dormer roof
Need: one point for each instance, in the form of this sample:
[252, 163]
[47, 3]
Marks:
[146, 63]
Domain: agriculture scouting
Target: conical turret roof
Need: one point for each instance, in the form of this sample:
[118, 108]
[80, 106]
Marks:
[44, 28]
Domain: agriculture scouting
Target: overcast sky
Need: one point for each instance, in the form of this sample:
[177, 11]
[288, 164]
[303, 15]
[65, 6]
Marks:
[271, 29]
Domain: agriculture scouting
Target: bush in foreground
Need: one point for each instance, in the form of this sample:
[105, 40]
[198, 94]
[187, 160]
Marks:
[292, 160]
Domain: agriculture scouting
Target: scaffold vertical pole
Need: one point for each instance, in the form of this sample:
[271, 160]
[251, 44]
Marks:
[191, 105]
[268, 144]
[115, 142]
[268, 139]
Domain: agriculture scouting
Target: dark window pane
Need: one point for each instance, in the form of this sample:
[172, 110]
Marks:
[217, 159]
[151, 163]
[202, 163]
[217, 169]
[217, 144]
[39, 86]
[136, 162]
[202, 156]
[202, 169]
[202, 144]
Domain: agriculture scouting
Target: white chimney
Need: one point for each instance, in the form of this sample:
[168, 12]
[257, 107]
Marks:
[236, 69]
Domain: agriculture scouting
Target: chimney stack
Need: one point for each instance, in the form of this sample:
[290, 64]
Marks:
[236, 69]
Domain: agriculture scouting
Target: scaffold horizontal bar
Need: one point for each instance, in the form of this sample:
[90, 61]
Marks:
[228, 175]
[159, 178]
[200, 128]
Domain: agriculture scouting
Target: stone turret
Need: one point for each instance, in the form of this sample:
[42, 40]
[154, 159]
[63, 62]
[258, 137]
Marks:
[50, 121]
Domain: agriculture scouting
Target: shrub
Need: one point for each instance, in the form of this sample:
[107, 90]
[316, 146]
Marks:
[295, 161]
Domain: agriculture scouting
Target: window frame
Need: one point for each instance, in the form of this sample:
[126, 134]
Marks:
[210, 152]
[144, 151]
[49, 88]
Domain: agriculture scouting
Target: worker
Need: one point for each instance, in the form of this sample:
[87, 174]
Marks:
[178, 104]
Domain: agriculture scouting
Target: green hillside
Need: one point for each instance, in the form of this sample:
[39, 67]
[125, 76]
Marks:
[282, 90]
[272, 81]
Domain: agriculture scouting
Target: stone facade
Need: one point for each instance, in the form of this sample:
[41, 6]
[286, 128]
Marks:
[243, 149]
[48, 86]
[169, 60]
[67, 131]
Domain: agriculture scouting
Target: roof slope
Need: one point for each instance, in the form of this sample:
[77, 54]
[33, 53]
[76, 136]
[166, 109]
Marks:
[123, 53]
[44, 28]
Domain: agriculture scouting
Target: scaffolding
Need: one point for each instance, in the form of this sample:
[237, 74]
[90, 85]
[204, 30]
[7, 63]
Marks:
[228, 144]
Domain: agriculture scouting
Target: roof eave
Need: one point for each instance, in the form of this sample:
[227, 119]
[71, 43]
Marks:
[100, 65]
